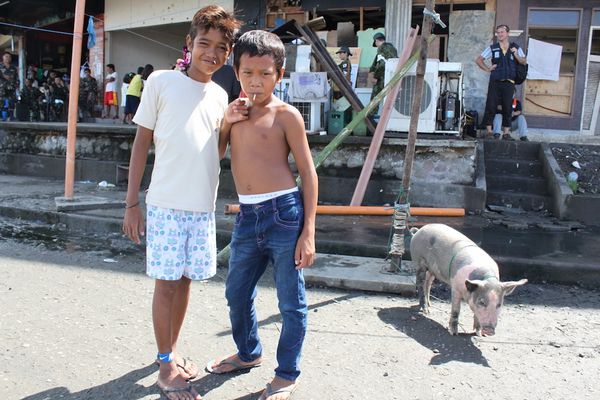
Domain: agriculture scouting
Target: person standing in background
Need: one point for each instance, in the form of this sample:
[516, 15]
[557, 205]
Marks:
[385, 51]
[503, 72]
[110, 92]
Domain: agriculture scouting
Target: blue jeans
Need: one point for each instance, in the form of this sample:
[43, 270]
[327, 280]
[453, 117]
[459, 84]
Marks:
[519, 124]
[268, 232]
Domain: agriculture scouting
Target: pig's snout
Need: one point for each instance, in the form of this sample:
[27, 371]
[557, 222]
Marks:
[488, 330]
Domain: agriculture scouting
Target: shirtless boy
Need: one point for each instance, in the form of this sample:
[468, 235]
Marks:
[276, 221]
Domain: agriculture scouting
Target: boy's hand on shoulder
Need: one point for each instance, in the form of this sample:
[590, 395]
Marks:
[236, 111]
[305, 251]
[133, 224]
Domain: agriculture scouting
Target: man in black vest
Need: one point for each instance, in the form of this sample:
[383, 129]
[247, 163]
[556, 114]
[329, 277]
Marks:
[503, 71]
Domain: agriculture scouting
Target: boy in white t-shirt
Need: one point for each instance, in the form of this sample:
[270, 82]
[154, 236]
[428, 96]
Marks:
[181, 112]
[110, 92]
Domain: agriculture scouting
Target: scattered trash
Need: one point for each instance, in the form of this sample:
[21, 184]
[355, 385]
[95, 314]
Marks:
[572, 180]
[105, 184]
[576, 164]
[109, 260]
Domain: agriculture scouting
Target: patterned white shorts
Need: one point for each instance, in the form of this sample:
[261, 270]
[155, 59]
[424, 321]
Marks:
[180, 243]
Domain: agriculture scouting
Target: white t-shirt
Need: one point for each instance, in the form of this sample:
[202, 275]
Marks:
[124, 88]
[487, 53]
[185, 116]
[111, 86]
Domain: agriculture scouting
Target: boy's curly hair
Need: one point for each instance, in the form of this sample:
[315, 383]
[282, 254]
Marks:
[217, 18]
[259, 43]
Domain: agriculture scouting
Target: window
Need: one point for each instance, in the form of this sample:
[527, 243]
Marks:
[596, 18]
[554, 18]
[559, 27]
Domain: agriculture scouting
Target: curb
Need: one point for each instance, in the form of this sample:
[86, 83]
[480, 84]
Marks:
[368, 256]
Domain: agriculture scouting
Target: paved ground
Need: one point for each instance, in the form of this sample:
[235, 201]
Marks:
[75, 325]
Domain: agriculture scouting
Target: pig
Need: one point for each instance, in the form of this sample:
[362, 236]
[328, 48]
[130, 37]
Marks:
[439, 251]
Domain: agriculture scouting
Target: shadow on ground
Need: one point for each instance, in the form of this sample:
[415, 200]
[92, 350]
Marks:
[125, 387]
[432, 335]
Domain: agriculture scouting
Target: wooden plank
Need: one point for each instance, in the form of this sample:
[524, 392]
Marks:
[564, 86]
[361, 12]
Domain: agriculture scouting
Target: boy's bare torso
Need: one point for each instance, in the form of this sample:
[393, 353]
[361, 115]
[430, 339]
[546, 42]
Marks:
[259, 151]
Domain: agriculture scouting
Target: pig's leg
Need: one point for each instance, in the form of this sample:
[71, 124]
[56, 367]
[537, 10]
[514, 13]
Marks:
[421, 274]
[454, 312]
[429, 278]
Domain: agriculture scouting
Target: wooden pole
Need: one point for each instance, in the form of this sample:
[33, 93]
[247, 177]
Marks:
[367, 169]
[74, 99]
[223, 256]
[416, 104]
[402, 204]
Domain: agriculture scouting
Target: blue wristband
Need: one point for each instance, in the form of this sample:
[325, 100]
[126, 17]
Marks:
[165, 358]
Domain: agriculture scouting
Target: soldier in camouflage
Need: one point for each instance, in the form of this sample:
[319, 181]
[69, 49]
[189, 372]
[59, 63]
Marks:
[385, 51]
[31, 98]
[9, 81]
[346, 68]
[88, 94]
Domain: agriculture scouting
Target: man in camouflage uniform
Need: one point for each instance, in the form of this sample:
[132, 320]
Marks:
[385, 51]
[346, 68]
[31, 97]
[88, 94]
[9, 81]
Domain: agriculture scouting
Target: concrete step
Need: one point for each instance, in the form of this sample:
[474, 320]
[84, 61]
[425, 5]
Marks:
[506, 166]
[519, 184]
[511, 149]
[524, 201]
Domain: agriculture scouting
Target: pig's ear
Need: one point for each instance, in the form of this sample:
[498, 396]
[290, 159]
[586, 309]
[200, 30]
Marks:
[509, 287]
[472, 285]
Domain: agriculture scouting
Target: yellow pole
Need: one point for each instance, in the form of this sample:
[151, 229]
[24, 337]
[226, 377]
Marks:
[73, 99]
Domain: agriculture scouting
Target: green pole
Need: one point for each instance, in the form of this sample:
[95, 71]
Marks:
[223, 256]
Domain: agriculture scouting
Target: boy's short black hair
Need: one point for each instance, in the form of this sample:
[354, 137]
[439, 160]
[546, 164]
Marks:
[7, 52]
[140, 70]
[503, 26]
[111, 66]
[215, 17]
[148, 69]
[259, 43]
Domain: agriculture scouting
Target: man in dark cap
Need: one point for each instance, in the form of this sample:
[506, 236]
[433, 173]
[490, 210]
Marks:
[385, 51]
[344, 65]
[344, 55]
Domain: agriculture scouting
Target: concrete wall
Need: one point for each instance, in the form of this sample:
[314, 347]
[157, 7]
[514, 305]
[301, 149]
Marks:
[470, 33]
[159, 46]
[444, 171]
[126, 14]
[93, 141]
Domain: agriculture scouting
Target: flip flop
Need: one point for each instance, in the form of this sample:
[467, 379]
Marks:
[268, 392]
[166, 390]
[183, 365]
[235, 364]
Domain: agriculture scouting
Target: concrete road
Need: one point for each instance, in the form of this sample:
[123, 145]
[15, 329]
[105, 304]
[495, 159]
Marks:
[76, 325]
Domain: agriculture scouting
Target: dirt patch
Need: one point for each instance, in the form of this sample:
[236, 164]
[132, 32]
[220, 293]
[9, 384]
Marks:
[587, 157]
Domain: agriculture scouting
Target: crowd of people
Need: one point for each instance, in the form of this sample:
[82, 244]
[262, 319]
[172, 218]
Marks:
[45, 93]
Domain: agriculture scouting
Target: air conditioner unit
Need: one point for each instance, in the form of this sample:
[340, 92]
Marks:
[313, 115]
[400, 117]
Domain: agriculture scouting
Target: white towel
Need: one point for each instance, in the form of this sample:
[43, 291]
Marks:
[544, 60]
